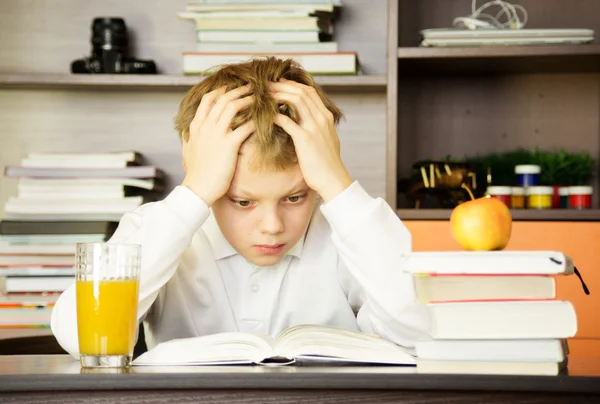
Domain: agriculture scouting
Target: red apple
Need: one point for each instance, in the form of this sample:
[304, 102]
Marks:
[482, 224]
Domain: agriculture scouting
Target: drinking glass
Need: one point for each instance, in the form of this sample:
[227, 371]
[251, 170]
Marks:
[107, 288]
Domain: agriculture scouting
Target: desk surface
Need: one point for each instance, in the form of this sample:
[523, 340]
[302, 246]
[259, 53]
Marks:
[62, 373]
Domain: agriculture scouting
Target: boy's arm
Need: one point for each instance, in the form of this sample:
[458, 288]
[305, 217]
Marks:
[368, 234]
[164, 230]
[370, 239]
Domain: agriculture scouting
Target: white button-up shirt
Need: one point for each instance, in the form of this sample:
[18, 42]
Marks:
[345, 272]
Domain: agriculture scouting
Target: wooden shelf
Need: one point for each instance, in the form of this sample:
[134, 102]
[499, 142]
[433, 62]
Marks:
[499, 59]
[158, 81]
[565, 215]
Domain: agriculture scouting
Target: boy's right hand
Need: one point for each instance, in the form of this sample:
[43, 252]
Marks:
[211, 150]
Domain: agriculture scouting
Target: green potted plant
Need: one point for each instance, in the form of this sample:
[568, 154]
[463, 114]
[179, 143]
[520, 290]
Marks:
[564, 169]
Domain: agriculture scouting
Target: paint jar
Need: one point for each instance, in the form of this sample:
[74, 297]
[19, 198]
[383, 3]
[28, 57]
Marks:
[500, 192]
[580, 197]
[563, 193]
[539, 197]
[517, 199]
[527, 175]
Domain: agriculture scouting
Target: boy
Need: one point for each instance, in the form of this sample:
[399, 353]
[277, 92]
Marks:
[245, 243]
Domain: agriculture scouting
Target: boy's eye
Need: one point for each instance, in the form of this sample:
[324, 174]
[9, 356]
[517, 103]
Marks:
[295, 198]
[242, 203]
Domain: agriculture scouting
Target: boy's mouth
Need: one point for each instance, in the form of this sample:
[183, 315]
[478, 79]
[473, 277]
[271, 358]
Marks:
[270, 249]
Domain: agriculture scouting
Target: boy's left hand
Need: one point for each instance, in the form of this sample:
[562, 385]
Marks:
[315, 138]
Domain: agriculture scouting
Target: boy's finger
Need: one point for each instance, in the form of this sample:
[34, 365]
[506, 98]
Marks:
[232, 109]
[224, 99]
[289, 126]
[207, 102]
[305, 91]
[305, 109]
[243, 131]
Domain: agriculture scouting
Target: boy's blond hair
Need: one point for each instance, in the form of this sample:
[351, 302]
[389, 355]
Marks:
[274, 147]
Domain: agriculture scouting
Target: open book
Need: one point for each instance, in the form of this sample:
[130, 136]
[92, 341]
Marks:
[303, 343]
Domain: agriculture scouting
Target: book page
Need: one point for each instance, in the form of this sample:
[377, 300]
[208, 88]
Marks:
[304, 342]
[216, 349]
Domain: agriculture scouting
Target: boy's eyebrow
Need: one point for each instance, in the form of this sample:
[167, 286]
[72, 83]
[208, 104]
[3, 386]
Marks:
[298, 187]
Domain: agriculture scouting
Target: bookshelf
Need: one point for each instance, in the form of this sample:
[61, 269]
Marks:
[134, 82]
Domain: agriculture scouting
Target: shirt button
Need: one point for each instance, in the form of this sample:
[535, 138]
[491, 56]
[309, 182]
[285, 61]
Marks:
[255, 288]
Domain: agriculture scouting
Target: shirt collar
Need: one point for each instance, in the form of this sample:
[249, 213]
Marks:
[222, 249]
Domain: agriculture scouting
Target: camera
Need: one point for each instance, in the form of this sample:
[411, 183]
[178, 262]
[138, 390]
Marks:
[109, 51]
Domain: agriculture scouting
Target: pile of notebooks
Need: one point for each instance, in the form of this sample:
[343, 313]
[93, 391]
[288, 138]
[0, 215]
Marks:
[493, 312]
[62, 199]
[237, 30]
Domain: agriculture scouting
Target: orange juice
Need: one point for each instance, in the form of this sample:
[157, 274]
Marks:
[107, 316]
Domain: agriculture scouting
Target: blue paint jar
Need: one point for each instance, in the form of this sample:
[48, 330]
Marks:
[527, 175]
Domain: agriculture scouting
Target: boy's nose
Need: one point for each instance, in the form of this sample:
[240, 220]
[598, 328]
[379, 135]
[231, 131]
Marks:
[271, 223]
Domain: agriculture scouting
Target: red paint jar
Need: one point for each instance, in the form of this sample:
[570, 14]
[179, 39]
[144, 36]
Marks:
[502, 193]
[580, 197]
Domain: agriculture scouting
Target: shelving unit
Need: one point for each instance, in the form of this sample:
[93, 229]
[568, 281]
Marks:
[133, 82]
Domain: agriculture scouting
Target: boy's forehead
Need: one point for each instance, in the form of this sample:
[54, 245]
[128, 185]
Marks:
[266, 181]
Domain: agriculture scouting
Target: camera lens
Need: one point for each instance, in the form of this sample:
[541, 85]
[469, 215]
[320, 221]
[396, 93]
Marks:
[109, 34]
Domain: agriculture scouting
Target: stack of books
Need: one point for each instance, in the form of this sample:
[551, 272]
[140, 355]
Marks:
[62, 199]
[493, 312]
[238, 30]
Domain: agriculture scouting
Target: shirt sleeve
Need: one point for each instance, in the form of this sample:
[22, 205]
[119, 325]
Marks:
[370, 239]
[164, 229]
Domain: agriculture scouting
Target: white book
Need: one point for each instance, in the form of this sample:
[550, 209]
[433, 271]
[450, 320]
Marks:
[33, 284]
[258, 23]
[331, 63]
[53, 206]
[497, 350]
[503, 320]
[296, 344]
[296, 6]
[36, 260]
[488, 262]
[192, 15]
[37, 271]
[463, 288]
[51, 172]
[51, 183]
[75, 216]
[38, 249]
[258, 36]
[299, 47]
[50, 163]
[61, 195]
[49, 239]
[111, 156]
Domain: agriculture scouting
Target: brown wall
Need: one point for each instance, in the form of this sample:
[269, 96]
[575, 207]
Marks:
[579, 240]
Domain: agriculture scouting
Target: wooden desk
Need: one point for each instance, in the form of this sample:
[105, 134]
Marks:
[58, 378]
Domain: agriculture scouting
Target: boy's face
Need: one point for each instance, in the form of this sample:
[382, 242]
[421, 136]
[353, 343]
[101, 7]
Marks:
[265, 212]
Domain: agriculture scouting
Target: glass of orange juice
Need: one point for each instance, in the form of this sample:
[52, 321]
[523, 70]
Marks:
[107, 288]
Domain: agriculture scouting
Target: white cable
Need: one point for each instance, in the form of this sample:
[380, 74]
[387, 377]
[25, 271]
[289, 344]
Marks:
[479, 19]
